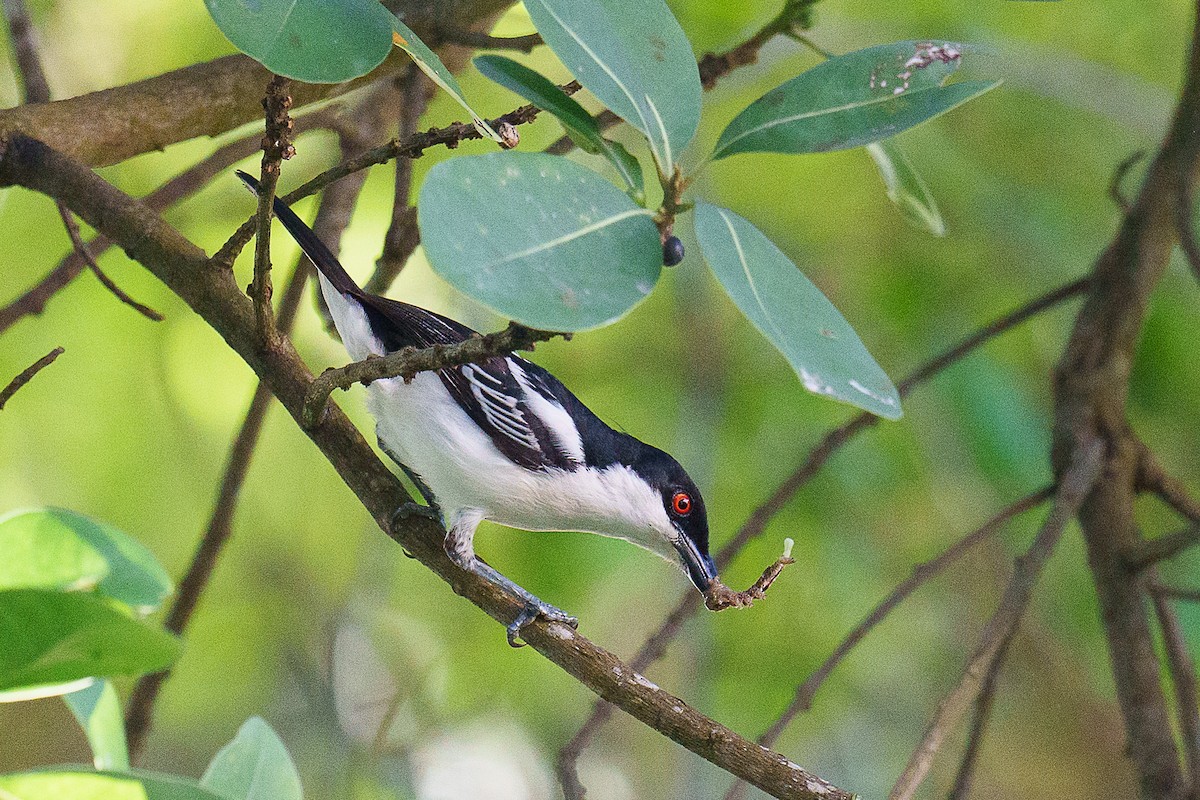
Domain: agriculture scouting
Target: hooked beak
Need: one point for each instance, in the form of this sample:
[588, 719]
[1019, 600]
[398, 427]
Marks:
[699, 566]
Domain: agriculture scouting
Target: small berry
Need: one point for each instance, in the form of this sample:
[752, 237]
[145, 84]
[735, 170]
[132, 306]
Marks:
[672, 251]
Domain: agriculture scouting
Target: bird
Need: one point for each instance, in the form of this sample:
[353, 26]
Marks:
[504, 440]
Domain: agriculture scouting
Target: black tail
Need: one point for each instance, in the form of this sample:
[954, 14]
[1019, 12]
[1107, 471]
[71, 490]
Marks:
[313, 247]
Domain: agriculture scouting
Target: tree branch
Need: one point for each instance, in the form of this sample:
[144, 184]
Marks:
[81, 250]
[212, 293]
[1153, 477]
[482, 41]
[1145, 553]
[409, 361]
[656, 644]
[27, 375]
[1183, 677]
[1075, 484]
[276, 147]
[983, 714]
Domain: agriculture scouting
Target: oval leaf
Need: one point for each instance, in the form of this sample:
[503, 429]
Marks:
[852, 100]
[538, 238]
[254, 766]
[432, 66]
[98, 712]
[792, 313]
[906, 188]
[75, 784]
[635, 58]
[53, 548]
[316, 41]
[577, 122]
[52, 637]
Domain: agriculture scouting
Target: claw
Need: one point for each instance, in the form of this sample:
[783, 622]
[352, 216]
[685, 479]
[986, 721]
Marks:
[411, 509]
[532, 610]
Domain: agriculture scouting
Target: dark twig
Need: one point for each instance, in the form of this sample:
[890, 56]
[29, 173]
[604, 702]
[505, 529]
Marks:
[1183, 677]
[656, 644]
[1118, 178]
[27, 375]
[1151, 551]
[983, 714]
[82, 251]
[1187, 232]
[1153, 477]
[1190, 595]
[922, 574]
[481, 41]
[1073, 488]
[26, 51]
[407, 362]
[795, 16]
[402, 236]
[276, 146]
[413, 147]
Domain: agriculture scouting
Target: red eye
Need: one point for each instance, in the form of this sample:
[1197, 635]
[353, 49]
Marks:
[682, 503]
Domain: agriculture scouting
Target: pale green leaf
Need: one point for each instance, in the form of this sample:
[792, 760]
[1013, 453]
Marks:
[539, 239]
[98, 711]
[906, 188]
[635, 58]
[792, 313]
[254, 766]
[852, 100]
[71, 783]
[432, 66]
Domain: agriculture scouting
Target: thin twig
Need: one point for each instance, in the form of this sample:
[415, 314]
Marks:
[26, 51]
[482, 41]
[1183, 677]
[402, 235]
[1187, 232]
[1153, 477]
[922, 574]
[1118, 178]
[1190, 595]
[413, 147]
[276, 146]
[82, 251]
[1075, 484]
[409, 361]
[1151, 551]
[656, 644]
[27, 375]
[983, 714]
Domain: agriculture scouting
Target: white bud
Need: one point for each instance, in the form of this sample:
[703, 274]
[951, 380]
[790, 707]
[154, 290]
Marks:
[787, 548]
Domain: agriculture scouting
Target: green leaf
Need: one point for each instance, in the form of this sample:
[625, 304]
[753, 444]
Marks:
[254, 766]
[578, 123]
[52, 637]
[98, 711]
[431, 65]
[852, 100]
[76, 784]
[792, 313]
[635, 58]
[53, 548]
[539, 239]
[315, 41]
[906, 188]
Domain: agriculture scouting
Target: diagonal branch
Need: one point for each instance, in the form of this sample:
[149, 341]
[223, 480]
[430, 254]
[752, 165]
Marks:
[81, 251]
[1073, 489]
[213, 293]
[1146, 553]
[1183, 676]
[27, 375]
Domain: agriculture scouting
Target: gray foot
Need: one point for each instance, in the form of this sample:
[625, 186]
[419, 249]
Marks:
[533, 609]
[411, 509]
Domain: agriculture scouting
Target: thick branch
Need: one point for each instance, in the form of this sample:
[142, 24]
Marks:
[1076, 483]
[27, 375]
[212, 293]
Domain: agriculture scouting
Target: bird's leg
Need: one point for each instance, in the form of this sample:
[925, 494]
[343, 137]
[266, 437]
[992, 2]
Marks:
[460, 548]
[408, 509]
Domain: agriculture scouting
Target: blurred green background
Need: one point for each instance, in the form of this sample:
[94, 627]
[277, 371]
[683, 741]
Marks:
[316, 621]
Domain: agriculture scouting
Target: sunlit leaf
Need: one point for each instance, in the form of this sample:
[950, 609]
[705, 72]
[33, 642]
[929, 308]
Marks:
[432, 66]
[792, 313]
[254, 766]
[53, 637]
[98, 711]
[316, 41]
[53, 548]
[852, 100]
[635, 58]
[577, 122]
[74, 784]
[906, 188]
[538, 238]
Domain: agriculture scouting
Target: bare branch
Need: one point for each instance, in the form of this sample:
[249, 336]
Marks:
[983, 713]
[481, 41]
[1145, 553]
[27, 375]
[656, 644]
[407, 362]
[276, 147]
[1073, 488]
[1183, 677]
[1153, 477]
[1118, 178]
[26, 51]
[82, 251]
[1190, 595]
[1187, 232]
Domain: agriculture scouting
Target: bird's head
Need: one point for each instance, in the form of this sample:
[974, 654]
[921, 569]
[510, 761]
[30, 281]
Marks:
[685, 525]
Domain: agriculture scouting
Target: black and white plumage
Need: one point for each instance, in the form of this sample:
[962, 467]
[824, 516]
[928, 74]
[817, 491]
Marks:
[505, 440]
